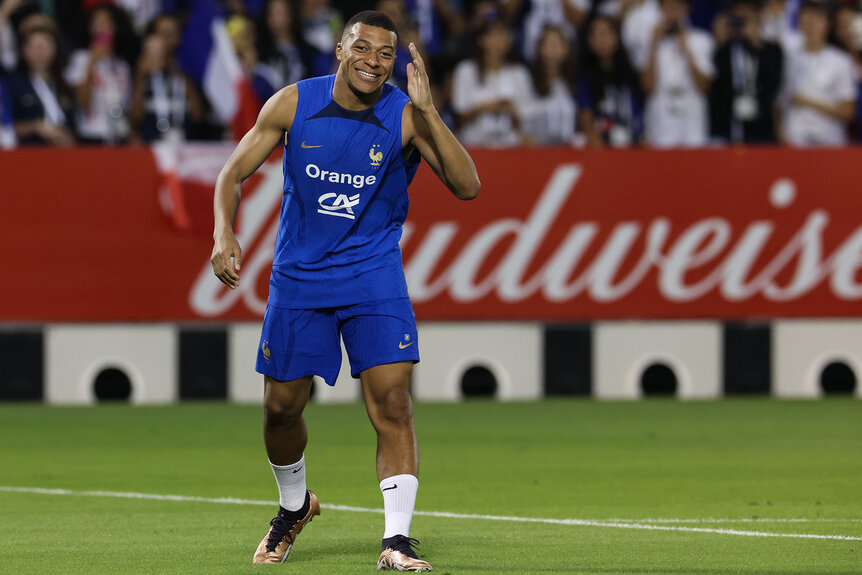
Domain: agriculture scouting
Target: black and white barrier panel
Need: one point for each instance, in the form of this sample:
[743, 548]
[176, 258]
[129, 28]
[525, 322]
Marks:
[816, 357]
[501, 360]
[161, 363]
[85, 362]
[636, 358]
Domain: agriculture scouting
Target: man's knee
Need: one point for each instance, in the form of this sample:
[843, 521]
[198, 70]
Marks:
[284, 401]
[387, 396]
[394, 407]
[278, 414]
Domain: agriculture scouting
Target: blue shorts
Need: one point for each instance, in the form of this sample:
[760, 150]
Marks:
[296, 343]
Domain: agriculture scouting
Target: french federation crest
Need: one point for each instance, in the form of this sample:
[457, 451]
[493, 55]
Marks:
[375, 155]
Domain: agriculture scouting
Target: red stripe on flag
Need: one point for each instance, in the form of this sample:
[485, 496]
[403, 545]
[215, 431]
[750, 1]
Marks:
[247, 110]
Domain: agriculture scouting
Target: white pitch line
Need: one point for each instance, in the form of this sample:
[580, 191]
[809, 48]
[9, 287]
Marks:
[619, 524]
[742, 520]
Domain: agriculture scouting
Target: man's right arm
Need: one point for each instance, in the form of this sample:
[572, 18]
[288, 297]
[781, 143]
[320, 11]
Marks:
[255, 147]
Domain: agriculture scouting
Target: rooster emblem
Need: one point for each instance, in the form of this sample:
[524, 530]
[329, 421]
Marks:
[375, 156]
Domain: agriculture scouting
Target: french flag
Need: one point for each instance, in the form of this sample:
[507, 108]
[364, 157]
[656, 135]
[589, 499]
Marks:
[207, 55]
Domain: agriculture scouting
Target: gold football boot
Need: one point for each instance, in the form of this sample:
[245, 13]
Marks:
[276, 544]
[398, 554]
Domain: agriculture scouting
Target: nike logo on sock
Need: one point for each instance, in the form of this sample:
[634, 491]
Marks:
[298, 470]
[388, 488]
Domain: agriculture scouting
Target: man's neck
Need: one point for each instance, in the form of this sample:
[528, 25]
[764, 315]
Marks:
[349, 99]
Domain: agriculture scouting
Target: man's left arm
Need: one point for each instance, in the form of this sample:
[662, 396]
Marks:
[423, 128]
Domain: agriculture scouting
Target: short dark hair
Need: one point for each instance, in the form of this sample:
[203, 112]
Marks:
[371, 18]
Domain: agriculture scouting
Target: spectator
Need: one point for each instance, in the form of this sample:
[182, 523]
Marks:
[482, 12]
[821, 85]
[637, 22]
[441, 94]
[721, 33]
[534, 15]
[847, 33]
[16, 18]
[676, 79]
[42, 102]
[322, 26]
[165, 102]
[102, 80]
[550, 118]
[169, 28]
[141, 12]
[747, 81]
[436, 21]
[776, 25]
[609, 97]
[490, 91]
[126, 37]
[31, 17]
[243, 34]
[8, 55]
[279, 42]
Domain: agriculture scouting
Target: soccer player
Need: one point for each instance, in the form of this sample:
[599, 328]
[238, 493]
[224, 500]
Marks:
[351, 147]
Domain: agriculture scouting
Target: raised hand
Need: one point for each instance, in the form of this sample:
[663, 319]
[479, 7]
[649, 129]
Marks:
[418, 86]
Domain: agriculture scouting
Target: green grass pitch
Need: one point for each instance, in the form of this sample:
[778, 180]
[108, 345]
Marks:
[754, 466]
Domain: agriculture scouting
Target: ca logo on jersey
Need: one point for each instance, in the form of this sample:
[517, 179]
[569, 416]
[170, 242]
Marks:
[341, 206]
[375, 155]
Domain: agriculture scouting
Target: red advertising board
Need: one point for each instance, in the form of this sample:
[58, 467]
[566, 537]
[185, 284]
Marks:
[557, 235]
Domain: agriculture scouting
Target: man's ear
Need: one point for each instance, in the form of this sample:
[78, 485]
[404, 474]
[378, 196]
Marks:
[338, 49]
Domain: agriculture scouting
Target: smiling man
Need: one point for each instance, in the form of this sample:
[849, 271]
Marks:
[351, 147]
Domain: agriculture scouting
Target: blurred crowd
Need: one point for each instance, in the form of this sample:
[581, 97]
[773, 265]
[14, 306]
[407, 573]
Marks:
[594, 73]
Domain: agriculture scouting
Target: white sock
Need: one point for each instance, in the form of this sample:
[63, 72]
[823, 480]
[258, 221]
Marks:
[399, 499]
[291, 484]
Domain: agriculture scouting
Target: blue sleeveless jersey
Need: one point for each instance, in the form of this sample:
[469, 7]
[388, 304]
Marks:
[345, 199]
